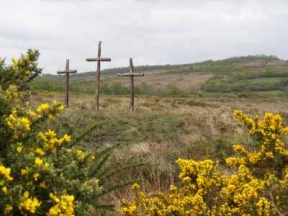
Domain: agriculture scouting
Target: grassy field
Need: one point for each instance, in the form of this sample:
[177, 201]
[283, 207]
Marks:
[161, 130]
[183, 111]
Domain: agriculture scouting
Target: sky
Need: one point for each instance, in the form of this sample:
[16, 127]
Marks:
[149, 31]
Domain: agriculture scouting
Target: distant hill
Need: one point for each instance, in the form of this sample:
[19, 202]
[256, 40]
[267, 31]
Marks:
[115, 71]
[251, 73]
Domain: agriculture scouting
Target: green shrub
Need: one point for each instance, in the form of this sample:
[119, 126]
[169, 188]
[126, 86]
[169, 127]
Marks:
[41, 172]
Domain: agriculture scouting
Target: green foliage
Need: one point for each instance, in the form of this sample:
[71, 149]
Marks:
[145, 89]
[106, 87]
[171, 90]
[270, 79]
[47, 84]
[114, 88]
[21, 72]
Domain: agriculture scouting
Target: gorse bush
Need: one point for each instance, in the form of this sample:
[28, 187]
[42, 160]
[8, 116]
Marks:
[41, 172]
[252, 182]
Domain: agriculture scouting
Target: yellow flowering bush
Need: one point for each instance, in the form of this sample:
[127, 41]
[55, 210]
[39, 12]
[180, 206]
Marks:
[41, 171]
[63, 205]
[253, 182]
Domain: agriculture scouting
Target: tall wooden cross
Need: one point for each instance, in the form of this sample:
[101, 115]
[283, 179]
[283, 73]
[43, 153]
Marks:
[98, 60]
[131, 74]
[67, 72]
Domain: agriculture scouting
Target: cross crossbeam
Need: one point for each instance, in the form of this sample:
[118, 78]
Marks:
[98, 60]
[67, 71]
[131, 74]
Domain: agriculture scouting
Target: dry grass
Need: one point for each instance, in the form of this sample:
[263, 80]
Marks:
[210, 116]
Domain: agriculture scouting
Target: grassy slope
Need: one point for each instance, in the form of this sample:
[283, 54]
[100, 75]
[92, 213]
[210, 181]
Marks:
[239, 74]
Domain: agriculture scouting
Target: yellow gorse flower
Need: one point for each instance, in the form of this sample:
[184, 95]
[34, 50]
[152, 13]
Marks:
[43, 108]
[29, 204]
[54, 198]
[50, 141]
[36, 176]
[39, 151]
[64, 205]
[24, 172]
[4, 189]
[12, 93]
[38, 161]
[19, 149]
[8, 208]
[80, 155]
[5, 174]
[19, 125]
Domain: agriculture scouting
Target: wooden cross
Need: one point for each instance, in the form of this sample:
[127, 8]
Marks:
[98, 60]
[67, 72]
[131, 74]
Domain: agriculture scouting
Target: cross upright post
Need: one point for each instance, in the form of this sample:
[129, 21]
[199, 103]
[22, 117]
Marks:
[98, 60]
[67, 72]
[131, 74]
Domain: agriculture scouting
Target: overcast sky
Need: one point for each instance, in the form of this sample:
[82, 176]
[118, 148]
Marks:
[150, 31]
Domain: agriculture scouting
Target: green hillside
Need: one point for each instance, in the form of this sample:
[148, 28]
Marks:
[257, 73]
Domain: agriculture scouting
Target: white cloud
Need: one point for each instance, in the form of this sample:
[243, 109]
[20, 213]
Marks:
[150, 31]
